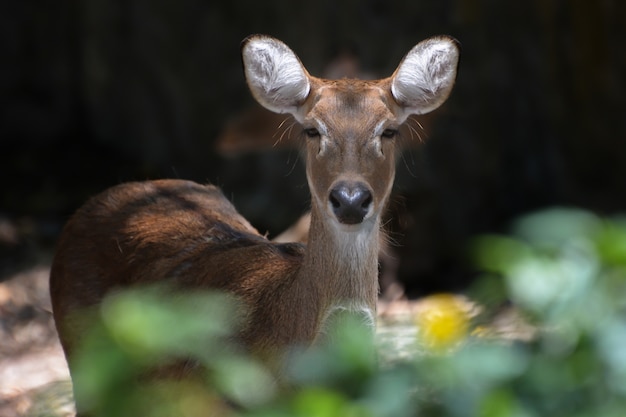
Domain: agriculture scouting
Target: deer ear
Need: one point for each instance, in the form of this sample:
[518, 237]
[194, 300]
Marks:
[275, 75]
[424, 78]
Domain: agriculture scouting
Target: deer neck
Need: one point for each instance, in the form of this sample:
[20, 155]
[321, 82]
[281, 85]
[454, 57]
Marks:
[343, 265]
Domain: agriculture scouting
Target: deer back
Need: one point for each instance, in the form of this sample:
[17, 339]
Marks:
[183, 235]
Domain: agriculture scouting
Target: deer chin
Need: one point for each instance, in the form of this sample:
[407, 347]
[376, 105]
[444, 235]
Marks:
[364, 227]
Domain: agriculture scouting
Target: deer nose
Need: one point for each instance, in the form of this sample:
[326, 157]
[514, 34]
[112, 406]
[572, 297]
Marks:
[350, 202]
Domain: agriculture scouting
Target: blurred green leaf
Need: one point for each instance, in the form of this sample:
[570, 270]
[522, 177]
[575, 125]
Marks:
[244, 381]
[565, 268]
[388, 395]
[320, 402]
[611, 243]
[499, 253]
[345, 355]
[502, 403]
[557, 227]
[154, 321]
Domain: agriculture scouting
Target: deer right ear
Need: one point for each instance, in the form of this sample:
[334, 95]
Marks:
[275, 75]
[425, 76]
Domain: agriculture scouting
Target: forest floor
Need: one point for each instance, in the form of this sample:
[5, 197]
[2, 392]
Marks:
[32, 364]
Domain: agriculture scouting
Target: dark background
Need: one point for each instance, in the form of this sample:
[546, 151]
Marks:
[96, 92]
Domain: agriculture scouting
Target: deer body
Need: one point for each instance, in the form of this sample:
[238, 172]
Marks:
[189, 235]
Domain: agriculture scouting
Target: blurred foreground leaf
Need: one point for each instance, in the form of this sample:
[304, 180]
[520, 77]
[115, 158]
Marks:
[563, 270]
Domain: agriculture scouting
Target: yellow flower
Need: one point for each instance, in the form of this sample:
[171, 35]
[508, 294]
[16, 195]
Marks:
[443, 320]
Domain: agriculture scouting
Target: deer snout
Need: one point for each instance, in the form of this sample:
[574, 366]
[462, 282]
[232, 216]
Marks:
[350, 202]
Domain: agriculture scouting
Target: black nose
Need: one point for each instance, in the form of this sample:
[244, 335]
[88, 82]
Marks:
[350, 201]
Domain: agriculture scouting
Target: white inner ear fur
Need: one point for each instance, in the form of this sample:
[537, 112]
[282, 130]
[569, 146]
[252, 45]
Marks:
[425, 76]
[275, 76]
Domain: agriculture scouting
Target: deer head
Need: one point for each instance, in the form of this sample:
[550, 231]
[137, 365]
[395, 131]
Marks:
[350, 127]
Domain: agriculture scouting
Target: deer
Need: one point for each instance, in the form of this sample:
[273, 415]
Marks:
[192, 237]
[258, 130]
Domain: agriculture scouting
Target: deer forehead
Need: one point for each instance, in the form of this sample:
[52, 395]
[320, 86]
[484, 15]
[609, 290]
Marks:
[351, 109]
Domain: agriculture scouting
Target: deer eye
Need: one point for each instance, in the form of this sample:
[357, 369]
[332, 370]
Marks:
[312, 132]
[389, 133]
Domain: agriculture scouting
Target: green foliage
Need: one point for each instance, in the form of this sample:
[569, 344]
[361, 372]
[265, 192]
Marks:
[564, 270]
[136, 331]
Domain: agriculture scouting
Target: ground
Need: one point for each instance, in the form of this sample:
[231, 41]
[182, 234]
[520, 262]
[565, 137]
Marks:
[33, 371]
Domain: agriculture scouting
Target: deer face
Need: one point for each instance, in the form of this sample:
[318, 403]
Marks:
[350, 126]
[350, 149]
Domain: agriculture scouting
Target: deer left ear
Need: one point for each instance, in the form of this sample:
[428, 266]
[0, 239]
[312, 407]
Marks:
[426, 75]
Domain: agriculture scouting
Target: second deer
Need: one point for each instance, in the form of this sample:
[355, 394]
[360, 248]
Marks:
[190, 236]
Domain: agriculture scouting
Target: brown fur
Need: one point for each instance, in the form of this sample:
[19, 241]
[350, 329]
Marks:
[184, 234]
